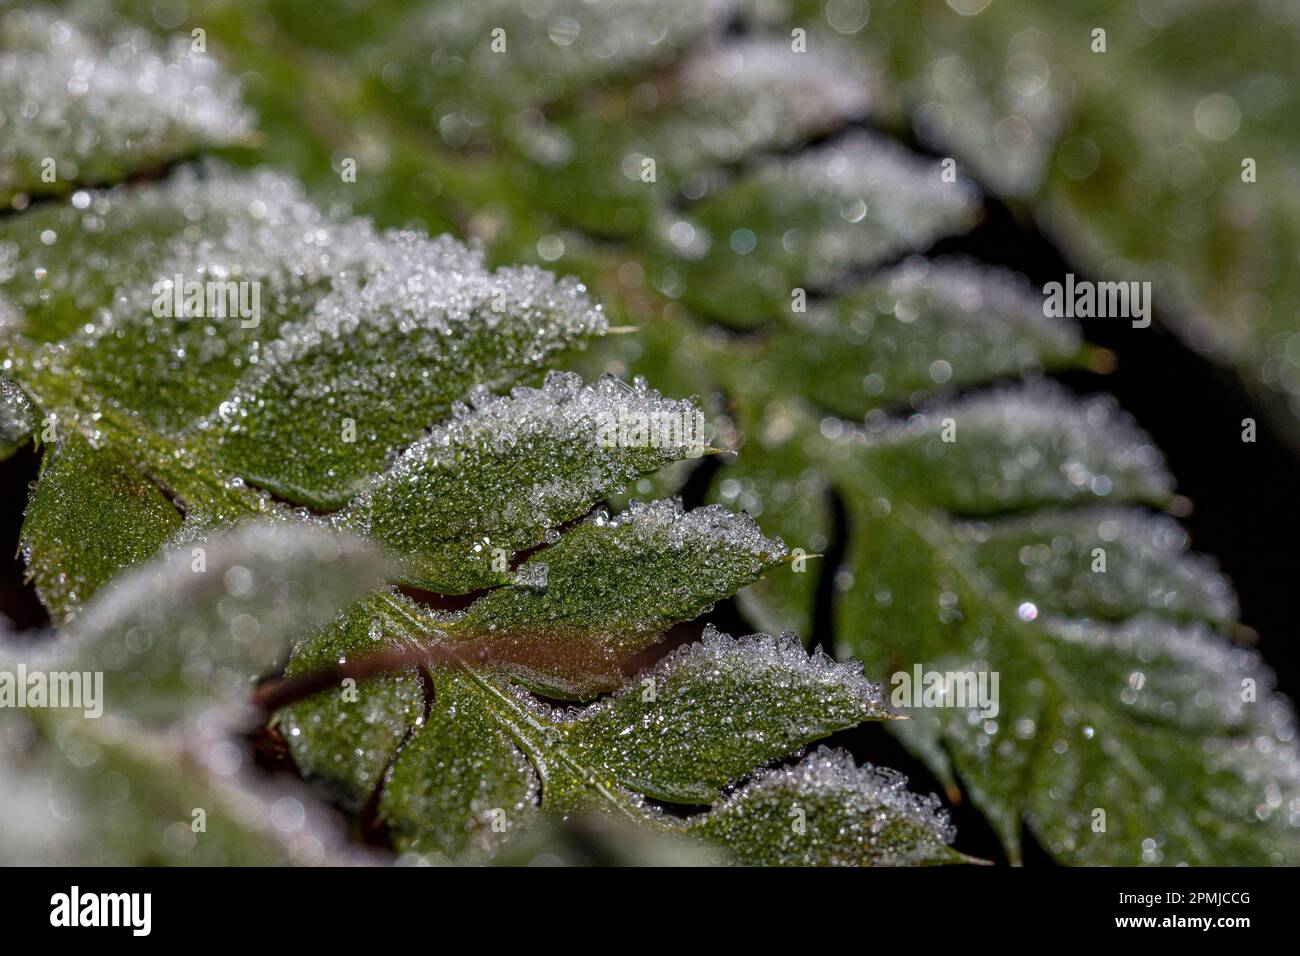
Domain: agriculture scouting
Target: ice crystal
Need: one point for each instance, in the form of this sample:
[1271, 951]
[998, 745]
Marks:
[543, 456]
[612, 586]
[1022, 448]
[709, 712]
[877, 199]
[758, 93]
[850, 816]
[1107, 562]
[918, 329]
[16, 417]
[260, 587]
[451, 47]
[93, 108]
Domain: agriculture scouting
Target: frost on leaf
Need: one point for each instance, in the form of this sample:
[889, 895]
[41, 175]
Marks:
[719, 710]
[917, 329]
[91, 514]
[385, 331]
[1103, 563]
[1017, 449]
[106, 263]
[461, 787]
[17, 418]
[260, 588]
[676, 744]
[730, 100]
[1108, 692]
[79, 108]
[980, 531]
[458, 60]
[364, 340]
[344, 393]
[609, 588]
[723, 102]
[249, 819]
[177, 648]
[1128, 708]
[974, 551]
[547, 455]
[344, 739]
[1006, 121]
[1040, 121]
[803, 222]
[391, 353]
[828, 811]
[589, 602]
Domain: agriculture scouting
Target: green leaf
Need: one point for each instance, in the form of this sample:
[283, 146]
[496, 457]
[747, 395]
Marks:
[548, 455]
[1012, 450]
[407, 328]
[918, 329]
[1071, 735]
[17, 418]
[194, 626]
[978, 554]
[827, 811]
[704, 717]
[100, 792]
[994, 595]
[800, 223]
[90, 515]
[189, 405]
[487, 57]
[932, 527]
[174, 642]
[973, 553]
[344, 740]
[1149, 187]
[601, 594]
[719, 104]
[608, 588]
[461, 786]
[129, 245]
[373, 366]
[1063, 563]
[77, 107]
